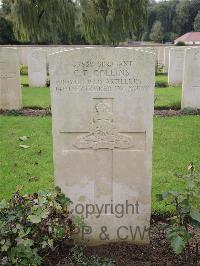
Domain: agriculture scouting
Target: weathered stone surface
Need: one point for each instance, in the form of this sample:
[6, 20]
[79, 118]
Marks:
[175, 71]
[151, 49]
[10, 89]
[23, 52]
[161, 56]
[166, 59]
[37, 67]
[191, 79]
[102, 107]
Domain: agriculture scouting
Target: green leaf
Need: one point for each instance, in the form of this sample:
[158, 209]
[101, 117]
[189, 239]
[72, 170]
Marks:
[184, 206]
[28, 243]
[195, 215]
[44, 214]
[50, 243]
[2, 242]
[178, 244]
[14, 230]
[4, 248]
[3, 204]
[35, 219]
[6, 245]
[25, 242]
[44, 244]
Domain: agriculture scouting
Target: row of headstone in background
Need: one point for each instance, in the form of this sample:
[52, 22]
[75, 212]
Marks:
[160, 57]
[37, 67]
[38, 58]
[191, 79]
[159, 52]
[37, 61]
[183, 66]
[166, 59]
[175, 69]
[174, 60]
[10, 88]
[10, 60]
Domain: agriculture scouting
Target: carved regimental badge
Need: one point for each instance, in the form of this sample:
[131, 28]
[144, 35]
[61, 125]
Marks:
[103, 132]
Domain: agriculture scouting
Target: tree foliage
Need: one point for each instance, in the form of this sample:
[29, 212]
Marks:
[176, 17]
[6, 31]
[112, 21]
[181, 19]
[97, 21]
[157, 33]
[197, 22]
[42, 20]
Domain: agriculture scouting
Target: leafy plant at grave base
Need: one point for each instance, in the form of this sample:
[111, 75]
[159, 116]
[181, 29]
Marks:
[23, 70]
[32, 226]
[48, 82]
[178, 231]
[13, 113]
[191, 111]
[158, 69]
[161, 84]
[78, 257]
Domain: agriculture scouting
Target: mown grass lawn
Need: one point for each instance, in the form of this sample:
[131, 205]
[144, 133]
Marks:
[18, 165]
[176, 143]
[36, 97]
[169, 97]
[24, 80]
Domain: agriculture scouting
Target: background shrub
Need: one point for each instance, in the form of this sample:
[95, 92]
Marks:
[23, 70]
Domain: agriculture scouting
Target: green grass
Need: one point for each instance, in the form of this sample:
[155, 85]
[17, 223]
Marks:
[161, 78]
[24, 80]
[168, 97]
[176, 143]
[36, 97]
[17, 165]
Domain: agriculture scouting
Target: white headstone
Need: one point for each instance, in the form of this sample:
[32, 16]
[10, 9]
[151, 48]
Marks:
[102, 107]
[151, 49]
[166, 59]
[161, 56]
[191, 79]
[24, 55]
[175, 71]
[37, 67]
[10, 89]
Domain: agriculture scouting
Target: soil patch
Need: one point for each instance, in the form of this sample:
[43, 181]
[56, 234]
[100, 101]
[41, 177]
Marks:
[27, 112]
[158, 252]
[47, 112]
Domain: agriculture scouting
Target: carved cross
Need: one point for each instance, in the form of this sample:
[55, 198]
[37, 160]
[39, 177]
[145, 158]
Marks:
[103, 137]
